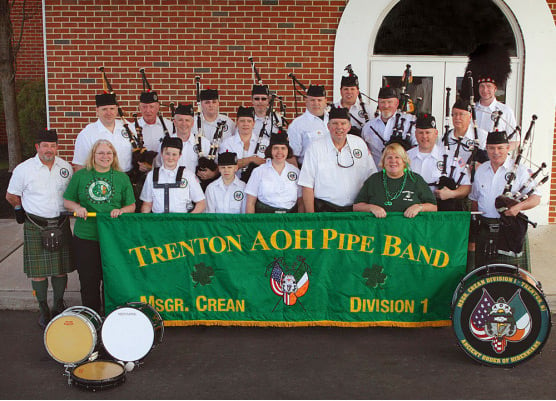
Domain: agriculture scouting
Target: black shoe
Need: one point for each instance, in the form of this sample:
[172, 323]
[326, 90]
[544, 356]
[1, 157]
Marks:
[43, 321]
[58, 308]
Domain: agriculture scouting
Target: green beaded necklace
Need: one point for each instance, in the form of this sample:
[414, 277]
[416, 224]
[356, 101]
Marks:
[389, 196]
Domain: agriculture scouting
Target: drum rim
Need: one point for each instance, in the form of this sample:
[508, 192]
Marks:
[99, 384]
[92, 329]
[546, 315]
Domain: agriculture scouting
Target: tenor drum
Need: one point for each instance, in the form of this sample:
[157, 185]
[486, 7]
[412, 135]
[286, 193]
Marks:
[71, 337]
[500, 316]
[131, 331]
[98, 375]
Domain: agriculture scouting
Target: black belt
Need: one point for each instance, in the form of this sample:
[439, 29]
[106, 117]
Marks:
[46, 222]
[325, 206]
[489, 224]
[261, 207]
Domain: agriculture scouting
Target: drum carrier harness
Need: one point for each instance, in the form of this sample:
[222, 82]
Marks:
[167, 186]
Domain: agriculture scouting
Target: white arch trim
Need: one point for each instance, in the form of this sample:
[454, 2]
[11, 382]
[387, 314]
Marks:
[531, 21]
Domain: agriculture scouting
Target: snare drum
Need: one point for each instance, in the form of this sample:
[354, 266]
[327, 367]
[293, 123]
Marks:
[71, 337]
[500, 316]
[98, 375]
[131, 331]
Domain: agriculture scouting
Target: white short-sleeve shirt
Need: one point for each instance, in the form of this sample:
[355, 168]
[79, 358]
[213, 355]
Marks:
[305, 129]
[488, 185]
[180, 198]
[222, 198]
[95, 131]
[273, 189]
[41, 189]
[154, 133]
[356, 113]
[485, 118]
[322, 171]
[209, 127]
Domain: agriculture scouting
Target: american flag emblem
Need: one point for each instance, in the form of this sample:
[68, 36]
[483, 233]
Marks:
[286, 285]
[500, 321]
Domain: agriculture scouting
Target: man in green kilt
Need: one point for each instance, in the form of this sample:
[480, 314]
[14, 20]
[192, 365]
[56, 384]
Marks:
[502, 228]
[35, 191]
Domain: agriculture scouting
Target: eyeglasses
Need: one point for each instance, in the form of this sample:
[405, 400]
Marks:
[104, 153]
[261, 99]
[350, 155]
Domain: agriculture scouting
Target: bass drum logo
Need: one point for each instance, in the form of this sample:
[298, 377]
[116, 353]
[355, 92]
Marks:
[500, 318]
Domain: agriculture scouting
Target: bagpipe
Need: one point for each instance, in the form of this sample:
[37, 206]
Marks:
[352, 74]
[513, 229]
[399, 133]
[140, 154]
[206, 161]
[276, 117]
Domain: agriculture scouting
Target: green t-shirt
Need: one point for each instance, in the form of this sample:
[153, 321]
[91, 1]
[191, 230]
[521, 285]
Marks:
[98, 192]
[414, 191]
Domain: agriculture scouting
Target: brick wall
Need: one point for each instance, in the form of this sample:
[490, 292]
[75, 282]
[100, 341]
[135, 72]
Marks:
[30, 58]
[175, 41]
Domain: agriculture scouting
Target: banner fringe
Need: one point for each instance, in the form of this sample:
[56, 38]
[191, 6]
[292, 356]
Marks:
[320, 323]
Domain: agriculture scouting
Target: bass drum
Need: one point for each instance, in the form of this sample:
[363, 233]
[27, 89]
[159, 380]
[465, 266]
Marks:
[500, 316]
[71, 337]
[131, 331]
[98, 375]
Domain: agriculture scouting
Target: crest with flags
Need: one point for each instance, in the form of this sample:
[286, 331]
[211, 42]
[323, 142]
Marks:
[500, 321]
[286, 285]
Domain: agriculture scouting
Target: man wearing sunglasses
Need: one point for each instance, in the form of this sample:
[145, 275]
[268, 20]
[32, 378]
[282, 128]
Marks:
[335, 167]
[260, 97]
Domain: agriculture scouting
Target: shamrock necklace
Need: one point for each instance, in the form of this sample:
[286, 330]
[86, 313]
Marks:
[391, 196]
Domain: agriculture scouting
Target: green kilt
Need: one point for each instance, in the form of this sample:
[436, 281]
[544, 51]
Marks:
[39, 262]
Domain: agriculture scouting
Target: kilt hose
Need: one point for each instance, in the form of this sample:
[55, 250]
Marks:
[40, 262]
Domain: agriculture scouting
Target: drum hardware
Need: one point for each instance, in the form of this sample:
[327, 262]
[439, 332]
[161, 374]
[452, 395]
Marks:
[128, 334]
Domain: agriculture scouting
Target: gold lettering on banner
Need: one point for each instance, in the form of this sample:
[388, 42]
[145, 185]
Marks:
[375, 305]
[393, 247]
[204, 304]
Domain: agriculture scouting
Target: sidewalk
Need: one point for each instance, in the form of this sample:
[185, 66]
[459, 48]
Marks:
[16, 292]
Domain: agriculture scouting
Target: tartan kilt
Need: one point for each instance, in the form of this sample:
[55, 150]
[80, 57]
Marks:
[39, 262]
[523, 261]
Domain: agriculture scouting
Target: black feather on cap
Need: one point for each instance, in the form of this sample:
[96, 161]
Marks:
[185, 109]
[172, 142]
[148, 97]
[338, 112]
[227, 159]
[425, 121]
[387, 92]
[489, 62]
[245, 112]
[47, 135]
[259, 90]
[209, 94]
[349, 81]
[497, 137]
[105, 99]
[316, 91]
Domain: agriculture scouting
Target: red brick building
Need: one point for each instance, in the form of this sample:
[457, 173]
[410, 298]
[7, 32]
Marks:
[176, 40]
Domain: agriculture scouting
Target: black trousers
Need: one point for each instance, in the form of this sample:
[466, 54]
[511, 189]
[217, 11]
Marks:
[89, 267]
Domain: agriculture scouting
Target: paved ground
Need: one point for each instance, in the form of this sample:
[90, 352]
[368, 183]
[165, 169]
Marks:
[293, 363]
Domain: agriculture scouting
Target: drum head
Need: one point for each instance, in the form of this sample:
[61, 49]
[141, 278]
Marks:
[98, 375]
[127, 334]
[500, 319]
[70, 338]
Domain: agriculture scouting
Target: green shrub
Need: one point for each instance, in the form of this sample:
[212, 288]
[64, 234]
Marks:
[31, 112]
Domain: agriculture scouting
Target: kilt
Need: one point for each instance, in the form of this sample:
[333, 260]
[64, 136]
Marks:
[481, 257]
[39, 262]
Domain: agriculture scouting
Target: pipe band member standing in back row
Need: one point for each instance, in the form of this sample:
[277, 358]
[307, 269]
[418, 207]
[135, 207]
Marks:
[100, 187]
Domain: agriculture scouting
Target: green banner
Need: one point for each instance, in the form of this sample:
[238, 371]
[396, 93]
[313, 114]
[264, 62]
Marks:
[331, 269]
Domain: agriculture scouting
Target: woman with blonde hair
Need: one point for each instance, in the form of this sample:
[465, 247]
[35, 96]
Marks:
[103, 188]
[396, 188]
